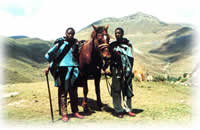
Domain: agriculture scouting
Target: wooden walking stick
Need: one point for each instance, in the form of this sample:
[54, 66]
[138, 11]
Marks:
[50, 98]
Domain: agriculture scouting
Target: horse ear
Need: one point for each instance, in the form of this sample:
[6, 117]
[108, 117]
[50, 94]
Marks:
[94, 27]
[106, 27]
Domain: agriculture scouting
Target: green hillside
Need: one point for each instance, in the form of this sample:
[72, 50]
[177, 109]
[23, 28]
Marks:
[177, 42]
[24, 59]
[177, 50]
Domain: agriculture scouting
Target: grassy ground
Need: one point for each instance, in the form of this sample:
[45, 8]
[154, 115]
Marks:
[154, 102]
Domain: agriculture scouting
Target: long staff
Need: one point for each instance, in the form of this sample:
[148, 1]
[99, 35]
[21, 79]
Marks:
[50, 98]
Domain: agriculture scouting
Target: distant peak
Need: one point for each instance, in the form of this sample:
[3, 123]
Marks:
[139, 16]
[18, 37]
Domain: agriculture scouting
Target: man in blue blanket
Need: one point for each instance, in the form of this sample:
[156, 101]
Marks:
[64, 68]
[121, 69]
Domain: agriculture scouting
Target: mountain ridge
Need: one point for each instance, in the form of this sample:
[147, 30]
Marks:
[18, 36]
[132, 24]
[145, 30]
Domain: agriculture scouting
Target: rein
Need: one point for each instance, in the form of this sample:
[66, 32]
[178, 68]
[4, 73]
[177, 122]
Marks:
[98, 49]
[108, 85]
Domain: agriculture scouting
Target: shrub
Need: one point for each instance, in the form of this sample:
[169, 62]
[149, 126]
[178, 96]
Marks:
[184, 79]
[159, 78]
[173, 79]
[184, 75]
[179, 78]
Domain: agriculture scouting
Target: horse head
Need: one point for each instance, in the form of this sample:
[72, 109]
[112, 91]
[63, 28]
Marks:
[101, 40]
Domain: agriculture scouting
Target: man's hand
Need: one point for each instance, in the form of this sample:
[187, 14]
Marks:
[46, 71]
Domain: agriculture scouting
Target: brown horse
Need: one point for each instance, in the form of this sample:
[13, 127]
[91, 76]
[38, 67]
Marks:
[94, 55]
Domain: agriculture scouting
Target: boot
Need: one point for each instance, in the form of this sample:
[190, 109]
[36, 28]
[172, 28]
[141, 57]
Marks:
[76, 114]
[131, 114]
[65, 118]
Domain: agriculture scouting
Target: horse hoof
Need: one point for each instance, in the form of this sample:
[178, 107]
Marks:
[86, 109]
[102, 108]
[84, 105]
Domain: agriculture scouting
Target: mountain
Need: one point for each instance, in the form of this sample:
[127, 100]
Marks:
[157, 44]
[181, 32]
[24, 59]
[179, 50]
[135, 23]
[18, 37]
[179, 42]
[161, 43]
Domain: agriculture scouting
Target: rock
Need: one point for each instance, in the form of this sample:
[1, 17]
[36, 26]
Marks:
[10, 94]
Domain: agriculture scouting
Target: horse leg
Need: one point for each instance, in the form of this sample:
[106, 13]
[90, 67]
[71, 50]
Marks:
[85, 92]
[98, 94]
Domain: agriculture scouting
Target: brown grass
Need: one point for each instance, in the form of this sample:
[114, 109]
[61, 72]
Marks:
[153, 102]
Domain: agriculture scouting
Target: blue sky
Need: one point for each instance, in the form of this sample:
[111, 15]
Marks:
[16, 11]
[21, 7]
[48, 19]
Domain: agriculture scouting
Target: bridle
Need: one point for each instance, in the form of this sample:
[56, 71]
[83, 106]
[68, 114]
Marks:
[101, 45]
